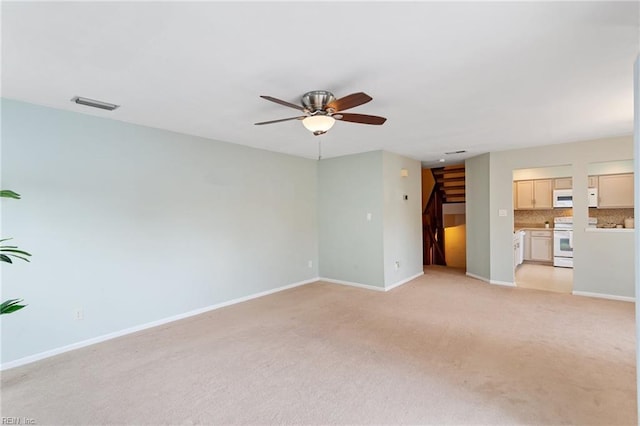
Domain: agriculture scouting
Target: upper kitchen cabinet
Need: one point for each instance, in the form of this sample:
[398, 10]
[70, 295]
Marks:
[534, 194]
[563, 183]
[613, 181]
[615, 191]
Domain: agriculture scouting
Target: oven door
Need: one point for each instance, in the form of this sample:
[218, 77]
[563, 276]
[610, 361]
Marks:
[563, 243]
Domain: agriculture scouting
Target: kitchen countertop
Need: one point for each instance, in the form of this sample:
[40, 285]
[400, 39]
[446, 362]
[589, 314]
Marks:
[531, 227]
[612, 230]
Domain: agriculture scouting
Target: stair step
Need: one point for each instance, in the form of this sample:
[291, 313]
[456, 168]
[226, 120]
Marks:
[454, 191]
[451, 183]
[455, 200]
[447, 175]
[443, 171]
[450, 179]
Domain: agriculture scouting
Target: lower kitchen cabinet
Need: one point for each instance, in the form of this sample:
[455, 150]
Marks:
[527, 245]
[541, 246]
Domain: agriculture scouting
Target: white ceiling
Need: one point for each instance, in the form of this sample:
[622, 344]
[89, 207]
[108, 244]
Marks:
[448, 76]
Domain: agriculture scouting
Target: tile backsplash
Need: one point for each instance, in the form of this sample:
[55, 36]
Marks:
[616, 216]
[538, 217]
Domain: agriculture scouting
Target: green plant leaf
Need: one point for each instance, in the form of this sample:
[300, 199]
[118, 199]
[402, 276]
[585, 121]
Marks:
[13, 251]
[10, 248]
[6, 258]
[9, 194]
[11, 305]
[20, 257]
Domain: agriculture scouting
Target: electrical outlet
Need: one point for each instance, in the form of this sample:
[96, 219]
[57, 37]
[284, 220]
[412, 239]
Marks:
[310, 264]
[369, 216]
[79, 314]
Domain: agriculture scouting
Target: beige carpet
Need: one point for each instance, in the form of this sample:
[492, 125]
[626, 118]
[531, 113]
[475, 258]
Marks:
[443, 349]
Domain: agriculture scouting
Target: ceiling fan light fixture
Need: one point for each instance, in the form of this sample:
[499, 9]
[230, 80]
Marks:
[318, 124]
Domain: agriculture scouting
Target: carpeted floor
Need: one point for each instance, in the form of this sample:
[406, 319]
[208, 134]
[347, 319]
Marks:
[442, 349]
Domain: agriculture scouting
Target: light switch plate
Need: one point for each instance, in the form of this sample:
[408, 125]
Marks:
[502, 212]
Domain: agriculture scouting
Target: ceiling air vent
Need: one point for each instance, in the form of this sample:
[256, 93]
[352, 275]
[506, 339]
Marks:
[94, 103]
[462, 151]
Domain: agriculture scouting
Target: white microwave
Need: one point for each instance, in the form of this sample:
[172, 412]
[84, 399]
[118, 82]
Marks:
[563, 198]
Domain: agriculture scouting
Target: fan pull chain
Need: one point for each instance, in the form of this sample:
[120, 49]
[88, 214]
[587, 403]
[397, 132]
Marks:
[319, 150]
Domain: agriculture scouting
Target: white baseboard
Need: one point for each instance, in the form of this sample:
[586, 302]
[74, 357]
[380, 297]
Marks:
[502, 283]
[477, 277]
[352, 284]
[399, 283]
[372, 287]
[42, 355]
[604, 296]
[487, 280]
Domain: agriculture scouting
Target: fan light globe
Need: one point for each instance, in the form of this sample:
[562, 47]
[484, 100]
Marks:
[318, 124]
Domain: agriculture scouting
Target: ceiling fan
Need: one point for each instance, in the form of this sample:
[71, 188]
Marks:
[321, 109]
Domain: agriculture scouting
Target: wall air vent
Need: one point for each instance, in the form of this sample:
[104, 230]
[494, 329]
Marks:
[94, 103]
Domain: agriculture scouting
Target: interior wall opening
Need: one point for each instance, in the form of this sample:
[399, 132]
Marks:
[543, 243]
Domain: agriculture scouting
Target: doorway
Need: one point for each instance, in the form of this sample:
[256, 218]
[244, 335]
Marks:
[542, 220]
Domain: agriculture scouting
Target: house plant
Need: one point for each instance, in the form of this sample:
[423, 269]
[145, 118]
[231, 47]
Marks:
[7, 252]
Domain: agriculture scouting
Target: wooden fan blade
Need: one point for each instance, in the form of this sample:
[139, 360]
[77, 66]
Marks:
[282, 119]
[349, 101]
[360, 118]
[281, 102]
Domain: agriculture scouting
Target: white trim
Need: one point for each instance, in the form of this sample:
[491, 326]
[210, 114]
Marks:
[399, 283]
[502, 283]
[352, 284]
[494, 282]
[46, 354]
[478, 277]
[604, 296]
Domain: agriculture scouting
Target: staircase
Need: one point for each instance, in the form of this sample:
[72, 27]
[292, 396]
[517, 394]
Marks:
[449, 187]
[451, 182]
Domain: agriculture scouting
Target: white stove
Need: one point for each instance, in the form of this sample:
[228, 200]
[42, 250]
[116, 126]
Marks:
[563, 240]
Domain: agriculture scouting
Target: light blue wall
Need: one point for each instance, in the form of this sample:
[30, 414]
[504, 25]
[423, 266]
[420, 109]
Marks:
[402, 218]
[477, 216]
[355, 249]
[351, 247]
[133, 224]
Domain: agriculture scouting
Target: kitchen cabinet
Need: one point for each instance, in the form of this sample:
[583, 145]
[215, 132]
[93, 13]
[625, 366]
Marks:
[534, 194]
[615, 191]
[518, 248]
[593, 181]
[527, 245]
[541, 246]
[563, 183]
